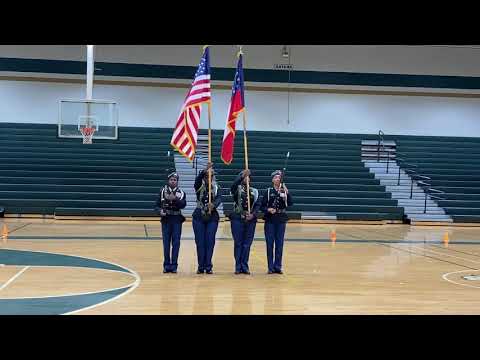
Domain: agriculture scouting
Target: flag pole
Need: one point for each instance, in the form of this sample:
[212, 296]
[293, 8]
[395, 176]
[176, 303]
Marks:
[245, 145]
[209, 155]
[209, 151]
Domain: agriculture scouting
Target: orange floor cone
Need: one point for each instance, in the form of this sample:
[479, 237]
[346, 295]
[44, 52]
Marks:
[445, 239]
[333, 236]
[5, 233]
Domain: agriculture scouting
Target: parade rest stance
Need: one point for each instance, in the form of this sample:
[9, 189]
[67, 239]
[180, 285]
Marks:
[273, 203]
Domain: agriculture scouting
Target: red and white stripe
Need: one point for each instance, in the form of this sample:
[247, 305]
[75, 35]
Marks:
[185, 135]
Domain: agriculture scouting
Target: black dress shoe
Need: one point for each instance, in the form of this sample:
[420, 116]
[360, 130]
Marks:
[246, 272]
[209, 272]
[200, 271]
[270, 271]
[237, 272]
[165, 271]
[173, 271]
[280, 272]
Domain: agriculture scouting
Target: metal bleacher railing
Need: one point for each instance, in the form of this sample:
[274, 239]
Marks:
[410, 169]
[420, 180]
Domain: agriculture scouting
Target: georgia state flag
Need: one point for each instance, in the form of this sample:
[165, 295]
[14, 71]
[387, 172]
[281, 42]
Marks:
[237, 105]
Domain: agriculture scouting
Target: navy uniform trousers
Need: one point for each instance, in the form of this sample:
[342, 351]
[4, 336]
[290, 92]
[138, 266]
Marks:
[243, 233]
[275, 225]
[205, 231]
[171, 234]
[205, 240]
[274, 235]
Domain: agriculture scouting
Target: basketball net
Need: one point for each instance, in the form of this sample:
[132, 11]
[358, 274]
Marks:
[87, 133]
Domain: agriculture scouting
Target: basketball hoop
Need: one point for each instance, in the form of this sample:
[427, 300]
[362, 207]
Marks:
[96, 117]
[87, 133]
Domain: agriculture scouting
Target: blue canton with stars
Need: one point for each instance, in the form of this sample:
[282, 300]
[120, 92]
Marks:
[204, 67]
[238, 83]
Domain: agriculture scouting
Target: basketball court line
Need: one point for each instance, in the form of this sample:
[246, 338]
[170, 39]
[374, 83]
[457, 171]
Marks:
[356, 240]
[440, 253]
[133, 285]
[450, 249]
[13, 278]
[445, 277]
[256, 256]
[18, 228]
[432, 243]
[286, 279]
[427, 256]
[74, 294]
[386, 243]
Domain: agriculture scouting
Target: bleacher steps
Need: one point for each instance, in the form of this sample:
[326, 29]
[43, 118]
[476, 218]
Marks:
[414, 207]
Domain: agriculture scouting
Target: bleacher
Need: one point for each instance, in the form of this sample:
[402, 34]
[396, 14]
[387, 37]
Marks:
[452, 163]
[325, 174]
[43, 174]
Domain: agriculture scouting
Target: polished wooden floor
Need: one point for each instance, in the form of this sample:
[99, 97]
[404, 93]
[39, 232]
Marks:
[370, 269]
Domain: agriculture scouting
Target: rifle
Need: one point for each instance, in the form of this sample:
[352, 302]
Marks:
[276, 205]
[282, 184]
[166, 189]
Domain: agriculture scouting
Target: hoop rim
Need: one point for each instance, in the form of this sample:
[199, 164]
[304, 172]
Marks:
[87, 133]
[86, 130]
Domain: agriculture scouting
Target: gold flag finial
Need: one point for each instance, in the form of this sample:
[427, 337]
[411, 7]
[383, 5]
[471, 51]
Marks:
[204, 48]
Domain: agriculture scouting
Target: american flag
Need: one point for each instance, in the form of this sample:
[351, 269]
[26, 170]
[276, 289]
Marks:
[184, 137]
[237, 105]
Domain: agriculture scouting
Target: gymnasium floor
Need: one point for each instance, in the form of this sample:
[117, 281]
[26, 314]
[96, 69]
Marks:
[92, 267]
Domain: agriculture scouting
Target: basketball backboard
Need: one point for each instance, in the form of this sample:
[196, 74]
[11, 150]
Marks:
[100, 114]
